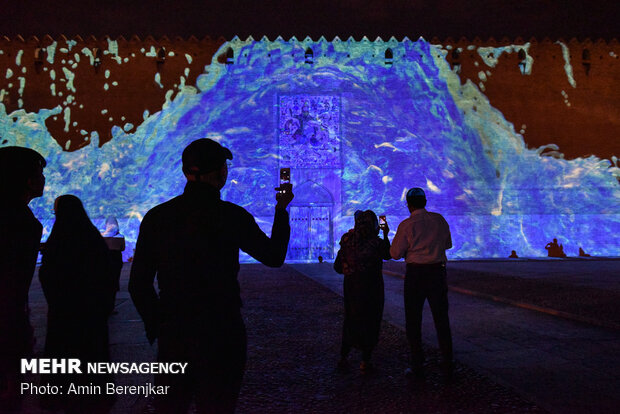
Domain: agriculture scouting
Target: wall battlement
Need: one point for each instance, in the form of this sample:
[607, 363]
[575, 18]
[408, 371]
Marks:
[491, 41]
[554, 91]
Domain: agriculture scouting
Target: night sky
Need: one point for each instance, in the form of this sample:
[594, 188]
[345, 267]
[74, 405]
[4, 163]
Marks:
[385, 18]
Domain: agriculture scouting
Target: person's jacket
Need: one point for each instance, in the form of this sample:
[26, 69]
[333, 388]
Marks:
[192, 243]
[20, 235]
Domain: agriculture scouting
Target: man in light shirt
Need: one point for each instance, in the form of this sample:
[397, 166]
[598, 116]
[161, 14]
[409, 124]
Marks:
[422, 239]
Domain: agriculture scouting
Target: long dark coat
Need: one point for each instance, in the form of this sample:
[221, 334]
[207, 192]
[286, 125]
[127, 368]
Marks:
[361, 262]
[77, 284]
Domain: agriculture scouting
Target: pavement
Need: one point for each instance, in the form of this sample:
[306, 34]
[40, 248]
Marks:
[587, 272]
[509, 359]
[562, 365]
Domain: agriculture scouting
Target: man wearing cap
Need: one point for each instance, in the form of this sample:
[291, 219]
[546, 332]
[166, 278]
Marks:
[422, 239]
[192, 243]
[21, 180]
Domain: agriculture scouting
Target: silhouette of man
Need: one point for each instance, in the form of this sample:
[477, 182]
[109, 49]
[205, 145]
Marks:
[192, 242]
[21, 180]
[422, 239]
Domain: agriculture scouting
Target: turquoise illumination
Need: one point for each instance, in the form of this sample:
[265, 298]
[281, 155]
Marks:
[371, 129]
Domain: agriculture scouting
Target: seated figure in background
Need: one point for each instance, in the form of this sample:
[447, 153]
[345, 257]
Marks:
[554, 249]
[582, 253]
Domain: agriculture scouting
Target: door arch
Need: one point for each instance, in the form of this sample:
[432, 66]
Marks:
[311, 215]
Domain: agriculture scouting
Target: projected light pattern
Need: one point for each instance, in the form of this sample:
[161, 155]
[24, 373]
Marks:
[309, 131]
[361, 130]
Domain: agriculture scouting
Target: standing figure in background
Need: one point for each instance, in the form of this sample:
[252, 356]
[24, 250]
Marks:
[422, 239]
[192, 244]
[360, 259]
[116, 244]
[21, 180]
[76, 281]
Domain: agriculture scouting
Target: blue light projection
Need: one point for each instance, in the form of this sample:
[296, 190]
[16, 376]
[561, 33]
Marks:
[310, 131]
[357, 132]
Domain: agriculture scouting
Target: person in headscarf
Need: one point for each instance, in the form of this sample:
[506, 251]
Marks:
[360, 259]
[76, 281]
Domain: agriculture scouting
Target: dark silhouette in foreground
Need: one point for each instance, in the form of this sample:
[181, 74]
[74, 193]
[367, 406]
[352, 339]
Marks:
[21, 180]
[360, 259]
[422, 239]
[192, 243]
[513, 255]
[77, 283]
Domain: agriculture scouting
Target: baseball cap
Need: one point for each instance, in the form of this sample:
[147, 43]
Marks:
[204, 155]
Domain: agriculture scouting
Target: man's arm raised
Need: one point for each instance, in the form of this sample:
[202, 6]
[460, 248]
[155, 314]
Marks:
[271, 251]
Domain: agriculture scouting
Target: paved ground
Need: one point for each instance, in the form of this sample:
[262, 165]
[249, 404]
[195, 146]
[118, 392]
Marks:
[561, 365]
[294, 329]
[588, 272]
[577, 289]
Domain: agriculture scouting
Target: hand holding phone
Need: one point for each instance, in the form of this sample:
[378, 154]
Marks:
[285, 175]
[284, 193]
[383, 224]
[285, 180]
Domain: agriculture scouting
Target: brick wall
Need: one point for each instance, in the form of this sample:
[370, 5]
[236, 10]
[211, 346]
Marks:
[581, 115]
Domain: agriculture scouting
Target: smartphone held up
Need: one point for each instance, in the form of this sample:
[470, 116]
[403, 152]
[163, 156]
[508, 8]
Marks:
[285, 181]
[285, 191]
[382, 222]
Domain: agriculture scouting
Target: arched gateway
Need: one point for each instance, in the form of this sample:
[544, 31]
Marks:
[311, 223]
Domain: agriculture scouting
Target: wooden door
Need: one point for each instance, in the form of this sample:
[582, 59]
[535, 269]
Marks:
[311, 233]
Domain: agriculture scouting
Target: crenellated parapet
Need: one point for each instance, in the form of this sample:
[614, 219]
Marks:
[179, 40]
[551, 90]
[586, 50]
[97, 83]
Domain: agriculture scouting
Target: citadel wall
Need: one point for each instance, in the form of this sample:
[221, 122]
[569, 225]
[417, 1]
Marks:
[570, 98]
[554, 92]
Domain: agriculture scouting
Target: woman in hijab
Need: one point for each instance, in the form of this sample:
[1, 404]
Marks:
[76, 282]
[360, 259]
